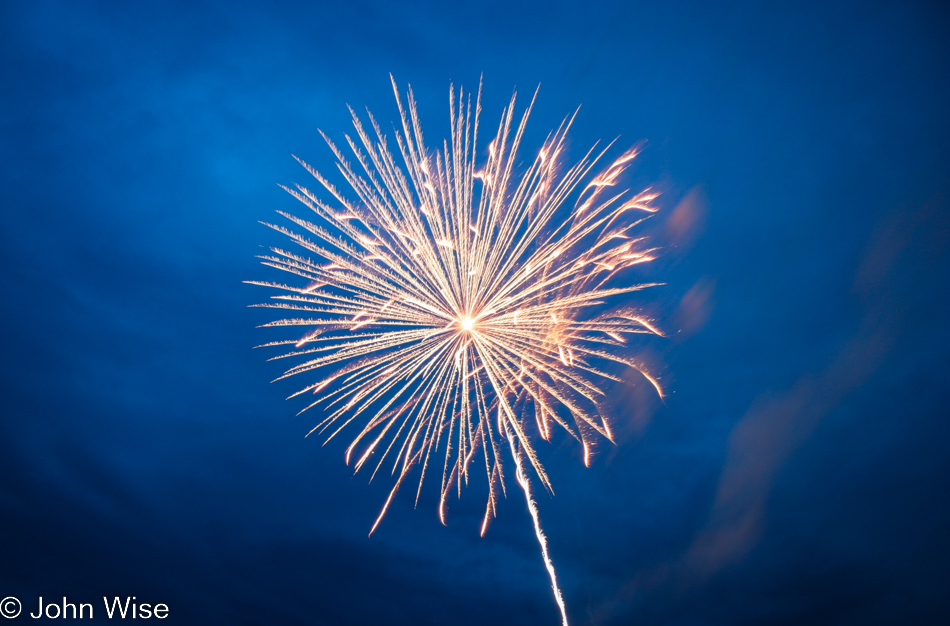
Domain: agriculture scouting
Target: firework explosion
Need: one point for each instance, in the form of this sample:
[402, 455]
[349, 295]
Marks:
[455, 307]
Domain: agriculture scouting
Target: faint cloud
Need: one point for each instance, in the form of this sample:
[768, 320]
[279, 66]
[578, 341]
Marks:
[902, 256]
[686, 221]
[905, 257]
[694, 308]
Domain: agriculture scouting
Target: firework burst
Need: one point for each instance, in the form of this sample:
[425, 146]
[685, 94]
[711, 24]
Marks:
[452, 307]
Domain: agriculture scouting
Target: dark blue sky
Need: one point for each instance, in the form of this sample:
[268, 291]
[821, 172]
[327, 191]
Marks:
[797, 474]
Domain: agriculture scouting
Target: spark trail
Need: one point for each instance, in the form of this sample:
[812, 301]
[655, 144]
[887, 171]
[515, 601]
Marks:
[542, 540]
[450, 303]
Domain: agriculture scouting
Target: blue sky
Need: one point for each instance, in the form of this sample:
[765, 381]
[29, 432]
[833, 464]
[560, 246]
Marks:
[796, 473]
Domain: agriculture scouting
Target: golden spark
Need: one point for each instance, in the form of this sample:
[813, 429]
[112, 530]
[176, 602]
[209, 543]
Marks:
[446, 318]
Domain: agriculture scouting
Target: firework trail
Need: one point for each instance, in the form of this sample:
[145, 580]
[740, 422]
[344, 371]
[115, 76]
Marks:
[452, 304]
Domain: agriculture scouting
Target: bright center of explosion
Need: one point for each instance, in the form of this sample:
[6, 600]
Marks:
[467, 323]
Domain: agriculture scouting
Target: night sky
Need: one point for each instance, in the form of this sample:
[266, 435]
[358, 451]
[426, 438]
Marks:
[797, 472]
